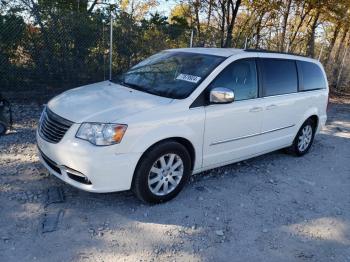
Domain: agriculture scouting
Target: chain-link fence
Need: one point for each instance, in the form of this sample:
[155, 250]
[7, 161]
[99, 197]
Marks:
[45, 49]
[65, 50]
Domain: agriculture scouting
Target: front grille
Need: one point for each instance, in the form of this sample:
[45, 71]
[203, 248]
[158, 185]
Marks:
[53, 127]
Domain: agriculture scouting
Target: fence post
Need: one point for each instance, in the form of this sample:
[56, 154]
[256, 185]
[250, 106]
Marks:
[103, 50]
[191, 40]
[341, 67]
[110, 47]
[245, 43]
[319, 57]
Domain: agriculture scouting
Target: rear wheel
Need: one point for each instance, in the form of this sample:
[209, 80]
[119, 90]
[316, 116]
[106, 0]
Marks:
[304, 139]
[3, 129]
[162, 172]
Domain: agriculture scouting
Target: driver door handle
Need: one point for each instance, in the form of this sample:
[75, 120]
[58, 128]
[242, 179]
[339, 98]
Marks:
[256, 109]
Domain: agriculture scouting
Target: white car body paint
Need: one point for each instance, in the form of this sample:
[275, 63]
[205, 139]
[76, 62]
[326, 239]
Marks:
[220, 133]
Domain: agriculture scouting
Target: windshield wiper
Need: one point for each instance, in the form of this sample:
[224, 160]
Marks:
[136, 87]
[139, 88]
[121, 82]
[133, 86]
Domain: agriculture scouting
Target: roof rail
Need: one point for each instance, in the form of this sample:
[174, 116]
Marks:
[273, 52]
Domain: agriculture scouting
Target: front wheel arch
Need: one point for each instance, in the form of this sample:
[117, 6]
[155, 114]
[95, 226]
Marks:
[139, 184]
[183, 141]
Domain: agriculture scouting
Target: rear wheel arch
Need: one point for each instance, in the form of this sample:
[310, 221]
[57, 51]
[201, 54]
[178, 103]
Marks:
[315, 120]
[313, 116]
[294, 148]
[3, 128]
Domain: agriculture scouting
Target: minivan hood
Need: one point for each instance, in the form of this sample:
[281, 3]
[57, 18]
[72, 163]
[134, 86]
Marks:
[103, 102]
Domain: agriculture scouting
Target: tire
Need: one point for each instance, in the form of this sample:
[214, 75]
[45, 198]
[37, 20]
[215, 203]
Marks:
[304, 139]
[152, 174]
[3, 129]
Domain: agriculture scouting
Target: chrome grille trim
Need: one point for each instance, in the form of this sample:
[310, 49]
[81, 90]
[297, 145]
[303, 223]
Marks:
[52, 127]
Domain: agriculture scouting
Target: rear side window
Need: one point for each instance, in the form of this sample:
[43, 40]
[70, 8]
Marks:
[312, 76]
[279, 76]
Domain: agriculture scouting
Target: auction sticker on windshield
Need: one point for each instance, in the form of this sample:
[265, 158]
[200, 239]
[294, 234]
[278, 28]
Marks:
[188, 78]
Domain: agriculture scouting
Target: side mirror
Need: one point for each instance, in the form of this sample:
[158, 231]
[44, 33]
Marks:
[221, 95]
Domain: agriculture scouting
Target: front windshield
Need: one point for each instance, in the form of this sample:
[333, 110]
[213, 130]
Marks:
[170, 74]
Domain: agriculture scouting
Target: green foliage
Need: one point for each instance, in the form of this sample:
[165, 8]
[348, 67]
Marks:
[66, 44]
[12, 29]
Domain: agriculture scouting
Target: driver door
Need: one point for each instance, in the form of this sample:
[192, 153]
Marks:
[232, 131]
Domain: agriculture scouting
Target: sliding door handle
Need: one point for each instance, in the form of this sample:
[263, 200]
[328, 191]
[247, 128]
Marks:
[256, 109]
[269, 107]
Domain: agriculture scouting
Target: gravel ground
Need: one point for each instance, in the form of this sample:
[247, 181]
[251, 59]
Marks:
[274, 207]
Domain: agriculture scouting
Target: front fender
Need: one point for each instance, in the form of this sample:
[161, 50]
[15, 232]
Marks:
[189, 126]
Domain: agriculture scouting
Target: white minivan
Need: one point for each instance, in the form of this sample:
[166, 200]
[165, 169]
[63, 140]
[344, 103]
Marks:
[179, 112]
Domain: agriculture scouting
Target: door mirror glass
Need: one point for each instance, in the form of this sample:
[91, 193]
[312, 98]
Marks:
[221, 95]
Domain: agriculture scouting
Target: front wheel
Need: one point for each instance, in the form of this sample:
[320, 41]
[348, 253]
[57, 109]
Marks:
[304, 139]
[162, 172]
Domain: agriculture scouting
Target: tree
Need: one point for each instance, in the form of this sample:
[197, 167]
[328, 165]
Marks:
[287, 6]
[12, 30]
[67, 41]
[232, 10]
[340, 19]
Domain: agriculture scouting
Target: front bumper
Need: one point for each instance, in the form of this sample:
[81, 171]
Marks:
[100, 169]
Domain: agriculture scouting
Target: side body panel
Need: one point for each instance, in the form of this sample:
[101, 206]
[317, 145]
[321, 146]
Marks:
[231, 131]
[279, 121]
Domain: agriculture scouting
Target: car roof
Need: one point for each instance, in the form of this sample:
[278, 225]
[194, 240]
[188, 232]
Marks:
[227, 52]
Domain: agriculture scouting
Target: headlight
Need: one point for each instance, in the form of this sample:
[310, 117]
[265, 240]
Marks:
[101, 134]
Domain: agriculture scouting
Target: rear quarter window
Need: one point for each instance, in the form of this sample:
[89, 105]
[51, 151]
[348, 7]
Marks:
[279, 76]
[312, 76]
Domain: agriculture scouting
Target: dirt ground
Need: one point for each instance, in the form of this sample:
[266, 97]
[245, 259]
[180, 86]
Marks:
[274, 207]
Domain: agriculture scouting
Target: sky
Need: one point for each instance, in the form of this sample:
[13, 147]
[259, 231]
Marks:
[164, 7]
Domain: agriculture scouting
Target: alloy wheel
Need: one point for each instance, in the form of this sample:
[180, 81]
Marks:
[165, 174]
[305, 138]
